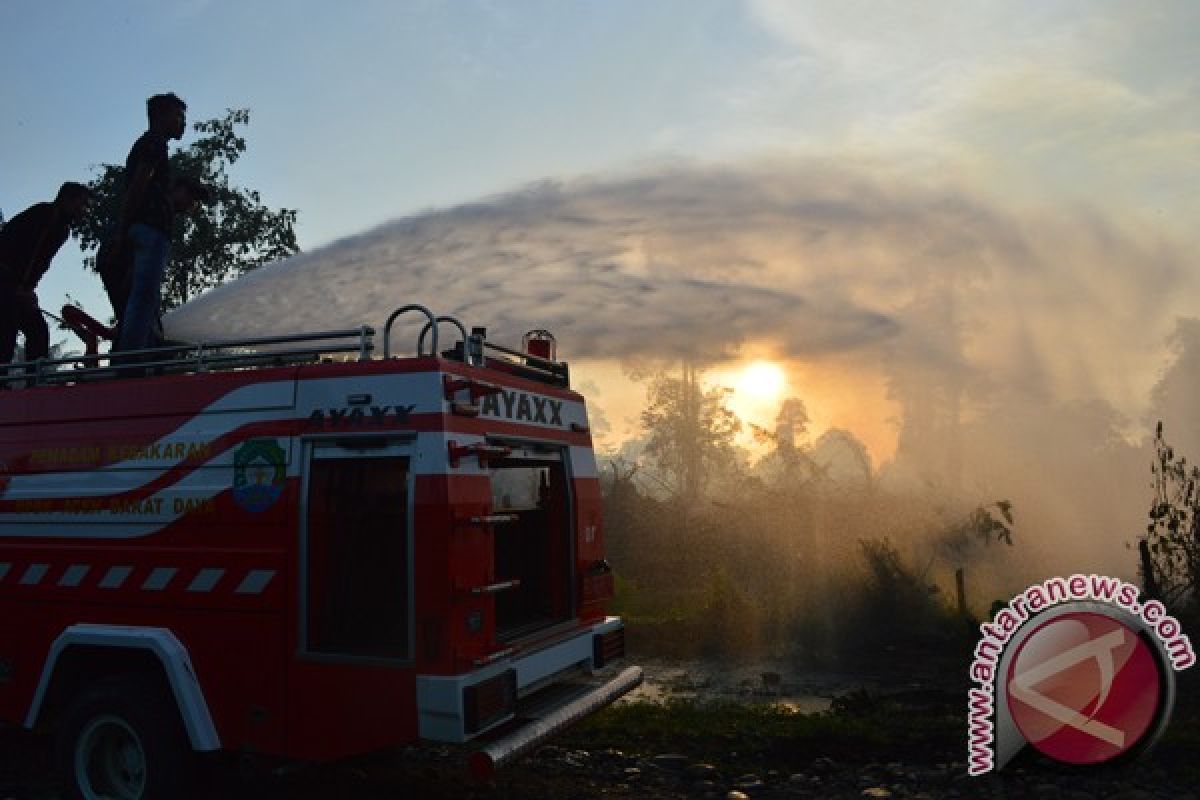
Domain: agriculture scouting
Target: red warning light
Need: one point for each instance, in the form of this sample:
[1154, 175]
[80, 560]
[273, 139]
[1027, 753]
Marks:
[540, 343]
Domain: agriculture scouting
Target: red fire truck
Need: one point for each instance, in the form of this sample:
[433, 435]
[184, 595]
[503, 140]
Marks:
[293, 547]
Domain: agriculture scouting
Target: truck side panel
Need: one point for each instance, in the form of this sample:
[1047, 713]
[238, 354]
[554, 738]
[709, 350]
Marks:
[129, 506]
[183, 503]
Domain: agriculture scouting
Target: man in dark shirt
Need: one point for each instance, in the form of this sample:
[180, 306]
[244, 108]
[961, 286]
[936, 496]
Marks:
[28, 242]
[144, 224]
[116, 268]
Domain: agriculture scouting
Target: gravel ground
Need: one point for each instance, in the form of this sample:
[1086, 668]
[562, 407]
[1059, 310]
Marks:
[562, 772]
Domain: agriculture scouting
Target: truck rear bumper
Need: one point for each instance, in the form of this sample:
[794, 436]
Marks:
[534, 732]
[456, 708]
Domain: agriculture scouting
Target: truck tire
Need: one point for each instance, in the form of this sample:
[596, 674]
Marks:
[122, 739]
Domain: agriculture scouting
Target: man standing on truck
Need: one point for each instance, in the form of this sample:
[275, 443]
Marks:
[115, 262]
[144, 224]
[28, 243]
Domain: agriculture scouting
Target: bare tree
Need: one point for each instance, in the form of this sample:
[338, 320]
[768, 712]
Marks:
[691, 430]
[1170, 550]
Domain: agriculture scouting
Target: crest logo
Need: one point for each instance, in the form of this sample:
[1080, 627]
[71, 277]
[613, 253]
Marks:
[258, 474]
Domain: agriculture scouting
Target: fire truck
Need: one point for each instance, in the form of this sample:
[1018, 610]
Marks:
[299, 547]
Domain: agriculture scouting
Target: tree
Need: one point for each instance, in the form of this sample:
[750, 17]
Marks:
[791, 423]
[960, 538]
[230, 236]
[1170, 550]
[691, 430]
[790, 462]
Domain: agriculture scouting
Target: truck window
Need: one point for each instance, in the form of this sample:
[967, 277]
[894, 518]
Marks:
[357, 557]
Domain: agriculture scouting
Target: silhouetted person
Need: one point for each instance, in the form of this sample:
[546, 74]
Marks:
[28, 243]
[144, 223]
[115, 262]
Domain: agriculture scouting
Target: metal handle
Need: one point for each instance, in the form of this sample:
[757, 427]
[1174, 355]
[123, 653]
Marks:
[494, 519]
[387, 328]
[453, 320]
[493, 588]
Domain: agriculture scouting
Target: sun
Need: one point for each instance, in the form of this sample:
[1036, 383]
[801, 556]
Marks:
[762, 382]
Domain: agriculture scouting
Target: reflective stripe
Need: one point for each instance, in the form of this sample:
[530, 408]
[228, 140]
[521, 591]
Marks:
[74, 575]
[205, 580]
[255, 581]
[115, 577]
[33, 576]
[158, 578]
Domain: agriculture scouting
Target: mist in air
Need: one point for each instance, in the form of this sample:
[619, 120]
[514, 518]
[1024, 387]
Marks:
[1026, 351]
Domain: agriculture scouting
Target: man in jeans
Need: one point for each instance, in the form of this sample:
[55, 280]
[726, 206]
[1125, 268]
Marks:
[145, 219]
[116, 268]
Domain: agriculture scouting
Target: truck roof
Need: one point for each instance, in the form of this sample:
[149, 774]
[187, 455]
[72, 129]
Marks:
[356, 346]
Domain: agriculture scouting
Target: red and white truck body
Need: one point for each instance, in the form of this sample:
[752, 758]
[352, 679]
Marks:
[312, 557]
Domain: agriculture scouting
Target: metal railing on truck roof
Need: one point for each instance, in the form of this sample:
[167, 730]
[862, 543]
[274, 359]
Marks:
[274, 351]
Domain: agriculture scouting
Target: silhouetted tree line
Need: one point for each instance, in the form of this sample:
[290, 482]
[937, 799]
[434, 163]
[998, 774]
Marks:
[223, 239]
[718, 554]
[1169, 552]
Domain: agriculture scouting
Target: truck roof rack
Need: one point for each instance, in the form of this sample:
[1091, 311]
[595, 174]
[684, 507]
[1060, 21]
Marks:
[273, 351]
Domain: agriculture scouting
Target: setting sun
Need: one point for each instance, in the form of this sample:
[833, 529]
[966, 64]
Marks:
[761, 381]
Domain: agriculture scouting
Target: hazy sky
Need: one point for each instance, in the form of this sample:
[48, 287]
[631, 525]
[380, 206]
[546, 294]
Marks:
[813, 161]
[366, 111]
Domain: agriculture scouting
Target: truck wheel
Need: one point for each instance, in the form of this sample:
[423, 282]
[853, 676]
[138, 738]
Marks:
[122, 740]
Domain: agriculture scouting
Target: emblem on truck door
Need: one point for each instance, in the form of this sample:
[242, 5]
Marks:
[258, 474]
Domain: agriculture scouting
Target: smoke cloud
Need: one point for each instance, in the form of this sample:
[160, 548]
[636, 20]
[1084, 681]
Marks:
[817, 259]
[1020, 344]
[670, 264]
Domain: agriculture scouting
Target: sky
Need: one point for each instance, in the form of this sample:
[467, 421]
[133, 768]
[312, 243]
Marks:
[906, 206]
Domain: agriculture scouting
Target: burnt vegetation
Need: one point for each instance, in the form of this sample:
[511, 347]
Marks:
[798, 553]
[805, 552]
[807, 555]
[1169, 552]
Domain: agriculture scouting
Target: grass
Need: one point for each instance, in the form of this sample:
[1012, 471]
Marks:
[760, 736]
[861, 729]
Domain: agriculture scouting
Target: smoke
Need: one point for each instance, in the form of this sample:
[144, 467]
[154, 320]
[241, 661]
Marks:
[817, 259]
[669, 264]
[1019, 344]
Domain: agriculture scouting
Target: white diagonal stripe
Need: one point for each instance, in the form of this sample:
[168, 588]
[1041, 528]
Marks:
[4, 568]
[255, 581]
[74, 575]
[33, 576]
[158, 578]
[115, 577]
[254, 402]
[205, 580]
[257, 402]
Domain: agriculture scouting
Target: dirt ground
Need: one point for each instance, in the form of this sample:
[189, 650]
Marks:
[572, 771]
